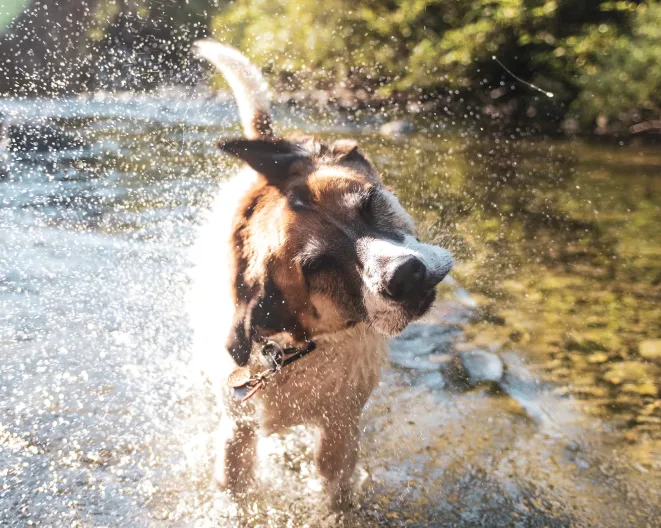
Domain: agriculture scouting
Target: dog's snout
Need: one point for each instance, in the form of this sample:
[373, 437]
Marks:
[434, 278]
[409, 277]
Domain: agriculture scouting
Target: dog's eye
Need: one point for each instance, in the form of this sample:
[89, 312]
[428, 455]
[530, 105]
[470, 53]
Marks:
[319, 263]
[367, 203]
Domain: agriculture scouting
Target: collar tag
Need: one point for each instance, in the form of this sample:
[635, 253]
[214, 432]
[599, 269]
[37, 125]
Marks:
[239, 377]
[273, 357]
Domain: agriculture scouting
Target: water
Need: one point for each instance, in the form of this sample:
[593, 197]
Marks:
[103, 422]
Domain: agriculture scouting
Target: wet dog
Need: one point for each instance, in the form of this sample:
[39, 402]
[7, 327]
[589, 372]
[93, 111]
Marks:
[304, 244]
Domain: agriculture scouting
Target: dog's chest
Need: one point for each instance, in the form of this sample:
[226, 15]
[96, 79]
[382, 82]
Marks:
[337, 377]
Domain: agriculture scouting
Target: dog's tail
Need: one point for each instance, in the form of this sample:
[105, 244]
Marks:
[247, 84]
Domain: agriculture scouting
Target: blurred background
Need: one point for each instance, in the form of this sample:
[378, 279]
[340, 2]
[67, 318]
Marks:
[530, 396]
[600, 59]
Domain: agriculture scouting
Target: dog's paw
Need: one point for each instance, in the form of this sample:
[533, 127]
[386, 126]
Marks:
[340, 497]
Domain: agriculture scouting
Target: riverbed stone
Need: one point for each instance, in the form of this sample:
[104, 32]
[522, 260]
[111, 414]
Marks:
[598, 357]
[650, 349]
[646, 388]
[399, 127]
[482, 366]
[627, 371]
[420, 344]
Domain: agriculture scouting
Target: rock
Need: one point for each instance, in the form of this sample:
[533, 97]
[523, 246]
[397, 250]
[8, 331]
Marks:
[650, 349]
[648, 419]
[652, 407]
[482, 366]
[399, 127]
[419, 346]
[646, 388]
[562, 372]
[631, 436]
[473, 368]
[517, 378]
[627, 371]
[598, 357]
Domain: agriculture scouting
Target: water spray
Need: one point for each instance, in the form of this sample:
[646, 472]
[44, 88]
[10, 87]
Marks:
[531, 85]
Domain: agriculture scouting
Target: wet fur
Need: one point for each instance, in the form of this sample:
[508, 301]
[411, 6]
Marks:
[256, 274]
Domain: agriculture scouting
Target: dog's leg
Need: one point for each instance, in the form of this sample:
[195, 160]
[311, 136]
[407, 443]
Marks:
[335, 456]
[236, 443]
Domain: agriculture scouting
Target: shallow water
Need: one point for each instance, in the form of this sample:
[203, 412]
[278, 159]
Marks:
[103, 422]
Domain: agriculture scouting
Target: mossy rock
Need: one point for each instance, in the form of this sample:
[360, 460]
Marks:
[598, 358]
[627, 372]
[646, 388]
[648, 420]
[650, 349]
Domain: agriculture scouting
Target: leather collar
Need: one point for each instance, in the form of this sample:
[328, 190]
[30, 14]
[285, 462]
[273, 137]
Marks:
[274, 357]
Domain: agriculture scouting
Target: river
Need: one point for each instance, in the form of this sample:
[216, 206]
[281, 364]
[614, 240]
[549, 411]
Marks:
[104, 422]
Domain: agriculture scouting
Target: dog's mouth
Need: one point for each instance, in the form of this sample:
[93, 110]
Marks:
[420, 305]
[391, 321]
[425, 303]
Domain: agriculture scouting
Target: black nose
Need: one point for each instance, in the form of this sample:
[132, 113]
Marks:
[409, 278]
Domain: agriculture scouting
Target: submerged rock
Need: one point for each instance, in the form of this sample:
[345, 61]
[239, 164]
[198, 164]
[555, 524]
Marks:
[420, 345]
[627, 371]
[598, 357]
[482, 366]
[646, 388]
[470, 369]
[399, 127]
[503, 374]
[650, 349]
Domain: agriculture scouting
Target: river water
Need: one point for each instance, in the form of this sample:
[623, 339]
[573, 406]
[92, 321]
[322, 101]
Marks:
[104, 422]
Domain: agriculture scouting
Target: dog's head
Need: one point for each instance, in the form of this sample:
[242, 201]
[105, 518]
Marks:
[322, 245]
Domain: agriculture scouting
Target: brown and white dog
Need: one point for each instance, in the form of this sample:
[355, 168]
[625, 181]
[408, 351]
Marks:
[306, 242]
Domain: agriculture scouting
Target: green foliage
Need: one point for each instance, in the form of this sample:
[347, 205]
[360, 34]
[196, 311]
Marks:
[622, 71]
[9, 10]
[602, 57]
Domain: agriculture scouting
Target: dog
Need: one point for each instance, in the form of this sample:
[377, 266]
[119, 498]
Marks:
[304, 244]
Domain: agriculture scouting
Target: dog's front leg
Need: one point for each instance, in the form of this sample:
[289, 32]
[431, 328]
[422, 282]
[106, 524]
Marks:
[335, 456]
[236, 443]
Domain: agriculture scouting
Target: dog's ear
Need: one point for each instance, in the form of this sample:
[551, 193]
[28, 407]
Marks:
[344, 147]
[272, 158]
[346, 150]
[265, 313]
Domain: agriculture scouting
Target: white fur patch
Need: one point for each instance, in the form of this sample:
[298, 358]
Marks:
[380, 257]
[210, 300]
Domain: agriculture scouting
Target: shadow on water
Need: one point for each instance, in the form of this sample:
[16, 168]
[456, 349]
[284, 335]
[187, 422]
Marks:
[103, 422]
